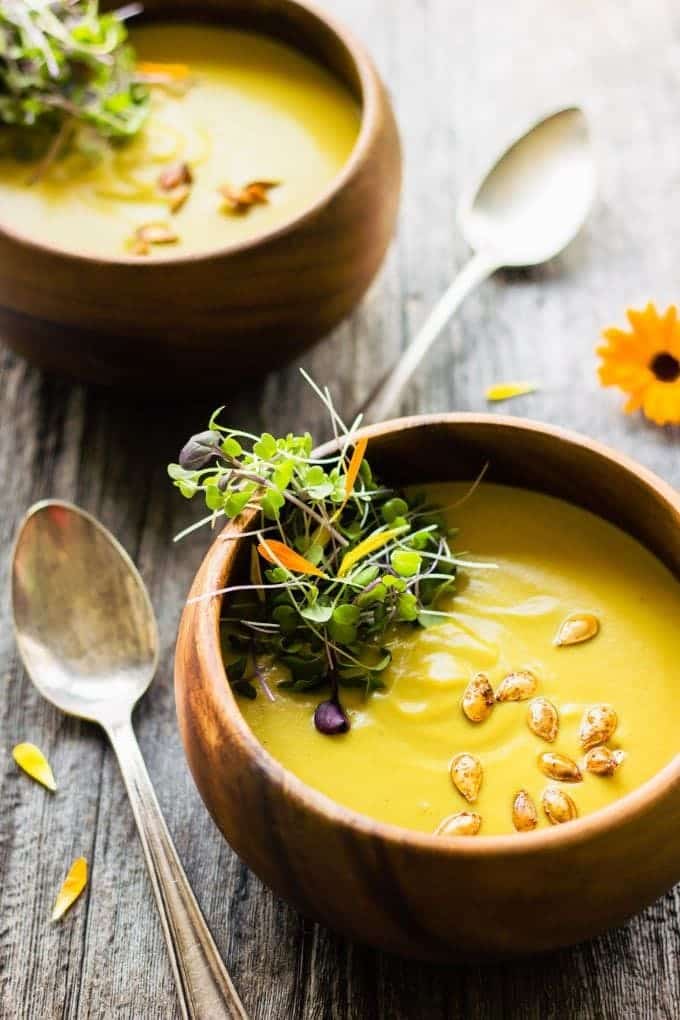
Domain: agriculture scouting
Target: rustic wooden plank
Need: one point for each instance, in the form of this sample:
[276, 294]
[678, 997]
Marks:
[465, 77]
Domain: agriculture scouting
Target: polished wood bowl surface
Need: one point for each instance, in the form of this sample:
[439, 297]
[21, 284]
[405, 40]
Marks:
[415, 894]
[232, 314]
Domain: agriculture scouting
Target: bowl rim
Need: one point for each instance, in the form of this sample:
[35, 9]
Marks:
[214, 681]
[370, 96]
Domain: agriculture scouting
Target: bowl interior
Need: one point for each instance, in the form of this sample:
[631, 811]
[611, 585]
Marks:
[515, 452]
[300, 26]
[304, 29]
[532, 456]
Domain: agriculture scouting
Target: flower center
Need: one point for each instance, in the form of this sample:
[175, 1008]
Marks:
[665, 367]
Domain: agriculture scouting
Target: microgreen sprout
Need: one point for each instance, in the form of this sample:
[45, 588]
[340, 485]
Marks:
[64, 65]
[338, 560]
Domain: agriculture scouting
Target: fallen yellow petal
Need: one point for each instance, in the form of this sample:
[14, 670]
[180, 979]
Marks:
[368, 545]
[74, 883]
[504, 391]
[31, 759]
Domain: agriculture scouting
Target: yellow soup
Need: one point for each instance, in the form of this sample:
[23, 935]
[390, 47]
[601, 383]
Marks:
[553, 559]
[256, 110]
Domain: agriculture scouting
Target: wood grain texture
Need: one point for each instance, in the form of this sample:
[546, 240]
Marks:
[247, 305]
[464, 77]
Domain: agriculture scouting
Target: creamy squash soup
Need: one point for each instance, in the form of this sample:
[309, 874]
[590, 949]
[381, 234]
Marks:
[208, 137]
[460, 659]
[549, 689]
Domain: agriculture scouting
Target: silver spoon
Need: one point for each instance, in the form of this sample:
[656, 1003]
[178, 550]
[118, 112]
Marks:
[87, 635]
[530, 205]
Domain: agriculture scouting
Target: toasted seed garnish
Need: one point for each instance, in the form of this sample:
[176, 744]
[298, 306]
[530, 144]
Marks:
[601, 761]
[177, 197]
[478, 698]
[174, 175]
[239, 200]
[466, 775]
[577, 628]
[558, 806]
[558, 766]
[542, 719]
[464, 823]
[524, 815]
[139, 247]
[156, 233]
[517, 686]
[597, 726]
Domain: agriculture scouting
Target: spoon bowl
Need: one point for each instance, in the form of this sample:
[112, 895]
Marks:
[536, 197]
[84, 624]
[529, 206]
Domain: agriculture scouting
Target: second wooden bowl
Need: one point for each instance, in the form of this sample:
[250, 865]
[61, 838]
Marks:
[409, 892]
[233, 314]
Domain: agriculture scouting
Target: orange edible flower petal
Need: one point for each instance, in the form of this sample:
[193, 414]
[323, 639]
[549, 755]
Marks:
[175, 175]
[369, 545]
[178, 72]
[354, 465]
[505, 391]
[282, 555]
[74, 883]
[31, 759]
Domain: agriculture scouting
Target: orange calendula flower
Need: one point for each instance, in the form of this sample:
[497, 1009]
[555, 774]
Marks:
[645, 363]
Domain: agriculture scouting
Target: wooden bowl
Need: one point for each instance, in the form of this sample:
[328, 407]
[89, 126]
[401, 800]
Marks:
[405, 891]
[247, 308]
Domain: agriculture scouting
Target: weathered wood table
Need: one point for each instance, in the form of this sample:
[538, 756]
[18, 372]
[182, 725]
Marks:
[465, 77]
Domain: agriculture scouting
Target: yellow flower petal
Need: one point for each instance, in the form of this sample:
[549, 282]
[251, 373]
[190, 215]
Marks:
[31, 759]
[369, 545]
[74, 883]
[504, 391]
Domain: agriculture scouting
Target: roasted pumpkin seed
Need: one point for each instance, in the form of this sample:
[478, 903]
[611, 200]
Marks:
[559, 767]
[597, 726]
[464, 823]
[524, 815]
[542, 719]
[558, 806]
[478, 698]
[466, 775]
[577, 628]
[601, 761]
[517, 686]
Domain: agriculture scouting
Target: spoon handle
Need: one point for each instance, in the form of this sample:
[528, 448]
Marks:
[204, 987]
[382, 402]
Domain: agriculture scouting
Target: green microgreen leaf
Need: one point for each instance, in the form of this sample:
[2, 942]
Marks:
[374, 560]
[405, 562]
[393, 509]
[66, 65]
[317, 613]
[265, 447]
